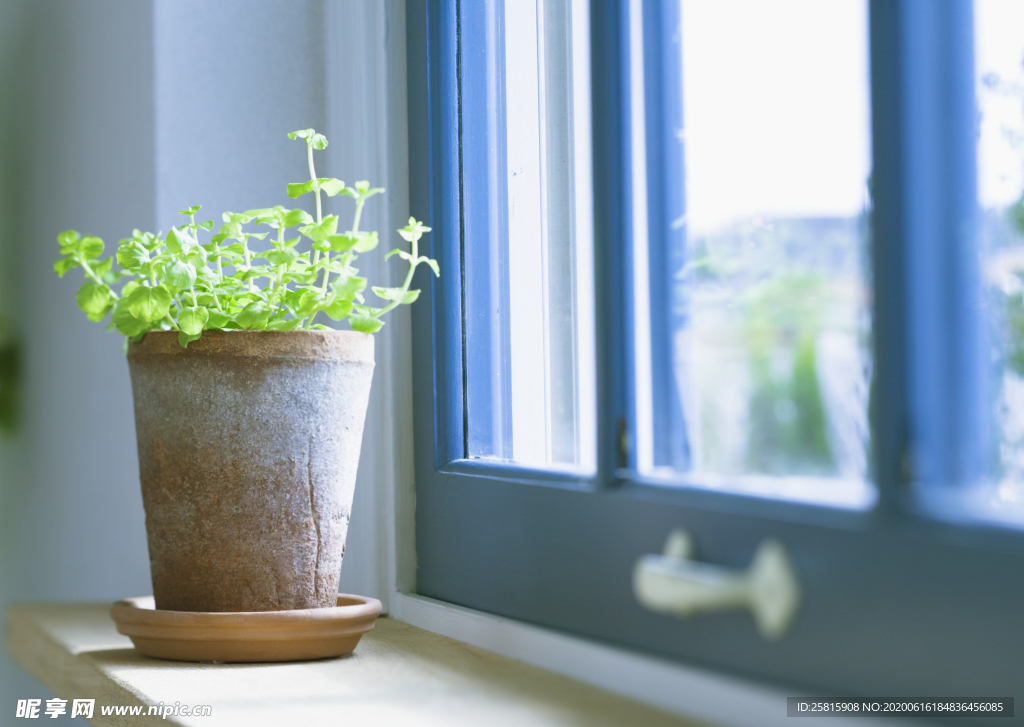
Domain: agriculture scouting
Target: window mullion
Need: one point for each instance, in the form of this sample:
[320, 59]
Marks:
[927, 404]
[609, 24]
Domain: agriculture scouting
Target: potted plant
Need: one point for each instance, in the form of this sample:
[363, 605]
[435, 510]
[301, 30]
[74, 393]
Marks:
[249, 412]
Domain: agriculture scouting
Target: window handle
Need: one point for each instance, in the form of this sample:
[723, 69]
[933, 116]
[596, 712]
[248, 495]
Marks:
[676, 584]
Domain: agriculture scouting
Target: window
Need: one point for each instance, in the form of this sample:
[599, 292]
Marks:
[999, 44]
[528, 287]
[741, 284]
[760, 324]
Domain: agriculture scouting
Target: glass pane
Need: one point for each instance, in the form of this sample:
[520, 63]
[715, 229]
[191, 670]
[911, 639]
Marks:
[770, 327]
[999, 50]
[529, 338]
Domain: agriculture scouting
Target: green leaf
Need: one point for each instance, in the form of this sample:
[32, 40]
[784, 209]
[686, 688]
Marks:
[432, 264]
[297, 217]
[268, 216]
[323, 231]
[301, 134]
[95, 300]
[367, 241]
[103, 267]
[300, 276]
[364, 191]
[253, 316]
[179, 240]
[177, 274]
[291, 298]
[319, 142]
[206, 276]
[341, 243]
[197, 256]
[125, 322]
[402, 297]
[217, 319]
[256, 271]
[348, 287]
[414, 230]
[289, 325]
[190, 210]
[90, 247]
[184, 339]
[281, 256]
[339, 308]
[62, 266]
[309, 300]
[297, 189]
[208, 225]
[132, 254]
[68, 241]
[193, 320]
[236, 218]
[401, 253]
[365, 323]
[149, 304]
[331, 186]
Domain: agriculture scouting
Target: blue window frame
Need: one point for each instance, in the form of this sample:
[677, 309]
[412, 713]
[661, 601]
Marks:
[899, 598]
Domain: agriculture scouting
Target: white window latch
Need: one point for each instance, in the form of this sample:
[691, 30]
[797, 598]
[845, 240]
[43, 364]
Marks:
[674, 583]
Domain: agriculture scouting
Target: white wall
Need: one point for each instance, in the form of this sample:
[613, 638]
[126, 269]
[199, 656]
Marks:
[81, 152]
[121, 112]
[231, 79]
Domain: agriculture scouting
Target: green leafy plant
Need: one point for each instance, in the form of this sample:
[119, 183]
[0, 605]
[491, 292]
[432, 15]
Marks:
[177, 282]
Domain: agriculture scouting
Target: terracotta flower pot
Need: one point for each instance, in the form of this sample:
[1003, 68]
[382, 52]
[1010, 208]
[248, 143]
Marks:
[248, 447]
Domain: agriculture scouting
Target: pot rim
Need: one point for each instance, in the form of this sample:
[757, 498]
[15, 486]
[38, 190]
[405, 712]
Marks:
[333, 345]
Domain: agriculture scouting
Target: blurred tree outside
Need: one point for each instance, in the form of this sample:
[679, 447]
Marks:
[1001, 241]
[777, 339]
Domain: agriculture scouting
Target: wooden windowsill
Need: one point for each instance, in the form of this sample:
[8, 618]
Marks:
[399, 674]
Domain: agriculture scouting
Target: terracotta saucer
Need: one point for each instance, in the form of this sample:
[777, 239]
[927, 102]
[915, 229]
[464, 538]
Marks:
[313, 633]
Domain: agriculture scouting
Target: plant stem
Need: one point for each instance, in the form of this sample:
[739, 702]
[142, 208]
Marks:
[316, 187]
[359, 213]
[408, 279]
[195, 231]
[278, 270]
[312, 177]
[248, 257]
[327, 273]
[89, 271]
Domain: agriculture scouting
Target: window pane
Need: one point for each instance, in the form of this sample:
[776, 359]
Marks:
[999, 50]
[770, 323]
[530, 350]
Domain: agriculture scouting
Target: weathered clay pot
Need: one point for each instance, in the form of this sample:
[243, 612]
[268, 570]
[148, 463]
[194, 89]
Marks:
[248, 447]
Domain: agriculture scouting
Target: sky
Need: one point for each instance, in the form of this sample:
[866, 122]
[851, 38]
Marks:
[776, 107]
[999, 48]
